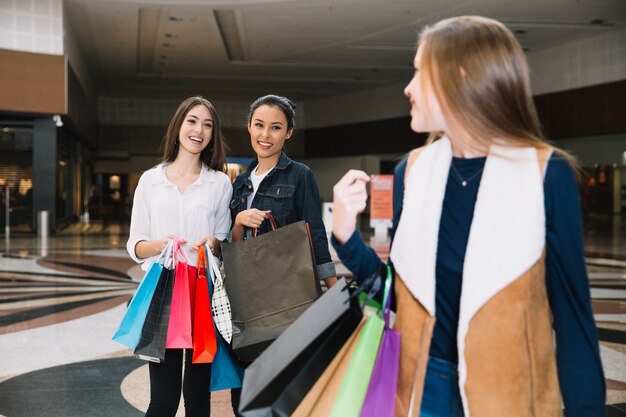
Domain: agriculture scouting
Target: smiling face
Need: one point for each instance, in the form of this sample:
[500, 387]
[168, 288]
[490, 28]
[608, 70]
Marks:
[426, 114]
[196, 130]
[268, 132]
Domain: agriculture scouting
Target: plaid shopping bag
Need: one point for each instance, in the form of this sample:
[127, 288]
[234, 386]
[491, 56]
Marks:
[220, 304]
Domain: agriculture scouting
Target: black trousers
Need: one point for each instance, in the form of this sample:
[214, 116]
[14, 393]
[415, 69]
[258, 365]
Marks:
[165, 386]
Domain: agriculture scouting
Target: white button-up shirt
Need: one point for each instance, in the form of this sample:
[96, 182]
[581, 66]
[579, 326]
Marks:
[161, 210]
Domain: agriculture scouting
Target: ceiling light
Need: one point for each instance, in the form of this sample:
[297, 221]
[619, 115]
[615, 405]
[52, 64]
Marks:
[146, 39]
[227, 25]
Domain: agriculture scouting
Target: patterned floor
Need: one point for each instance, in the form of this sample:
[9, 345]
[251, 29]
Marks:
[62, 299]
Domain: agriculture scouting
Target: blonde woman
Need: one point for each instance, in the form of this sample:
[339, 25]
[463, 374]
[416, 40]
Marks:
[487, 248]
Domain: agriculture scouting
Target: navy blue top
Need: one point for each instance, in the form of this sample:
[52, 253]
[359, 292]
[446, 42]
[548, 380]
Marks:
[577, 351]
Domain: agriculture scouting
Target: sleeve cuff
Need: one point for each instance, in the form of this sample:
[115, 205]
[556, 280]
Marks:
[130, 248]
[326, 270]
[349, 246]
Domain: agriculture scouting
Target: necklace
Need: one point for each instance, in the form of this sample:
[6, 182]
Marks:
[464, 181]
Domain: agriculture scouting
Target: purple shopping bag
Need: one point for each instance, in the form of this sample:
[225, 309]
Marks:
[380, 399]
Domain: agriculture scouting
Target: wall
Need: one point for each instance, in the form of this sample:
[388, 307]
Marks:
[597, 149]
[594, 60]
[32, 82]
[32, 26]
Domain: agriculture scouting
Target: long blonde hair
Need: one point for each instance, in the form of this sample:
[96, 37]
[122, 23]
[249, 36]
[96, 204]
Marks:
[479, 74]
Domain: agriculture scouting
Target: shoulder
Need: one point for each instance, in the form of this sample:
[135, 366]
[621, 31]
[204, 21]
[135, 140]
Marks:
[299, 167]
[152, 176]
[241, 178]
[219, 177]
[559, 170]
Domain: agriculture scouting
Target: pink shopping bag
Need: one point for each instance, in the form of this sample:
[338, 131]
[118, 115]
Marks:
[179, 327]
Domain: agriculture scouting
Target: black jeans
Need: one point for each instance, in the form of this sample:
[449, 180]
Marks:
[165, 386]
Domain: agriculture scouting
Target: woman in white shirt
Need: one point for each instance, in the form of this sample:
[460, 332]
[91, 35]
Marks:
[186, 196]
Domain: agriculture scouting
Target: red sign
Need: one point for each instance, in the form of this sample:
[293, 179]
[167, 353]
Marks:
[381, 197]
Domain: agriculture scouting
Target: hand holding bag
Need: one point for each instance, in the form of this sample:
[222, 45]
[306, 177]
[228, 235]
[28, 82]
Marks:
[129, 331]
[220, 304]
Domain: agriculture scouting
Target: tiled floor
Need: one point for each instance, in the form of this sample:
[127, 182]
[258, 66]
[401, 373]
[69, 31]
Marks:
[62, 299]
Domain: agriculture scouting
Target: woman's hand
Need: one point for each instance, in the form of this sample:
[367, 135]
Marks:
[251, 218]
[212, 242]
[248, 218]
[349, 200]
[147, 248]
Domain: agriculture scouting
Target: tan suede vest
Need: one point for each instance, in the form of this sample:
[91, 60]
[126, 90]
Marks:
[509, 352]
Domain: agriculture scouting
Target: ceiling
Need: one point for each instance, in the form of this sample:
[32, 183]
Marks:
[238, 49]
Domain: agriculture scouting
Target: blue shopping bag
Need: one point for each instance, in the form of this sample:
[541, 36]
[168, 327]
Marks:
[129, 331]
[225, 371]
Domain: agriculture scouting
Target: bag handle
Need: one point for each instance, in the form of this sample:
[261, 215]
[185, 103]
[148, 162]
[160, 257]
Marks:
[216, 275]
[166, 253]
[387, 297]
[202, 262]
[272, 223]
[178, 250]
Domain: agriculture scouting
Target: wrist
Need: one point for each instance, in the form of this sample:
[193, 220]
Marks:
[342, 235]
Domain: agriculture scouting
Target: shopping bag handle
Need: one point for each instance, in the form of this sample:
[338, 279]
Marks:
[202, 262]
[387, 297]
[165, 253]
[272, 223]
[216, 275]
[178, 250]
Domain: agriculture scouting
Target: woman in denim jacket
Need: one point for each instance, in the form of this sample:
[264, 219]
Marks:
[275, 183]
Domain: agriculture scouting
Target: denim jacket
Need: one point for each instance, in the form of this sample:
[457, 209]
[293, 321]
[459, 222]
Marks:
[290, 191]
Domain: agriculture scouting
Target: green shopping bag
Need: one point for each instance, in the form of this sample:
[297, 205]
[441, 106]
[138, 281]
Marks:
[354, 385]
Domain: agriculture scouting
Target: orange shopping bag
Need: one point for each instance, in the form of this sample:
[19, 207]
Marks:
[204, 341]
[179, 328]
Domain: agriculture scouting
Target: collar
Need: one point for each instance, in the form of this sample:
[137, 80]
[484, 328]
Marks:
[283, 162]
[159, 177]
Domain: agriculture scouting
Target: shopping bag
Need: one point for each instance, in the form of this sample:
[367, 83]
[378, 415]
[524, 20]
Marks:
[220, 303]
[320, 399]
[355, 382]
[129, 331]
[192, 272]
[179, 327]
[271, 280]
[277, 381]
[151, 345]
[381, 392]
[204, 341]
[225, 371]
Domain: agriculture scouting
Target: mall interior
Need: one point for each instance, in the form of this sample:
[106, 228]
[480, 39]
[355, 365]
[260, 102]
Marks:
[87, 88]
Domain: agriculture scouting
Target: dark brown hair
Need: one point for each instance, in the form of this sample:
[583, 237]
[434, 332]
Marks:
[214, 155]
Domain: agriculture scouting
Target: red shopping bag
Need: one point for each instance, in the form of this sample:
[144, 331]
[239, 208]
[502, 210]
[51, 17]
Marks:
[179, 328]
[204, 340]
[192, 272]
